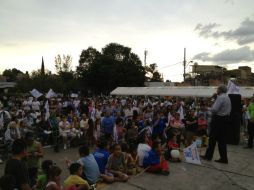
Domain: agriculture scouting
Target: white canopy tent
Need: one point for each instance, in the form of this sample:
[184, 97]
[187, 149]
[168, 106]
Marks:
[192, 91]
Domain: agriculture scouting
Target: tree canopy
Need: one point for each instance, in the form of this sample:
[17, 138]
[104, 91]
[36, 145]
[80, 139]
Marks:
[152, 74]
[11, 74]
[115, 66]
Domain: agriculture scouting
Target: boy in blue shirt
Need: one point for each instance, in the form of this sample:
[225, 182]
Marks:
[101, 155]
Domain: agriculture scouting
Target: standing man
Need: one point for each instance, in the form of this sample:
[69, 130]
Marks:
[16, 168]
[250, 110]
[220, 116]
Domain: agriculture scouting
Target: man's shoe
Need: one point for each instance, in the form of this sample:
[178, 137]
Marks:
[205, 158]
[222, 161]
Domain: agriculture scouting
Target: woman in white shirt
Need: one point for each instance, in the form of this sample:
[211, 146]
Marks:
[64, 128]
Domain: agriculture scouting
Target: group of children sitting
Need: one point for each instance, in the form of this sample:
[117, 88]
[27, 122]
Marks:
[107, 163]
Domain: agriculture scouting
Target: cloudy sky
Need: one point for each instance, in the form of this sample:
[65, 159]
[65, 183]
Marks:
[213, 31]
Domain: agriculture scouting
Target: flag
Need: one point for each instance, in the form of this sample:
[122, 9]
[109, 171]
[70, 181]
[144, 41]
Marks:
[191, 154]
[115, 136]
[232, 88]
[47, 110]
[50, 94]
[180, 111]
[35, 93]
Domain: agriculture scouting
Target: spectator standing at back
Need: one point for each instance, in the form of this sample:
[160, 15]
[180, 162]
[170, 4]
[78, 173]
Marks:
[108, 126]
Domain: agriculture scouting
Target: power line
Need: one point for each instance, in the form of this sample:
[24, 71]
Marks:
[176, 75]
[170, 65]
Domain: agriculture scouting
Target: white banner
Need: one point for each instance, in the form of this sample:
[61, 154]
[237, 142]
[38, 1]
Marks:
[232, 88]
[191, 154]
[47, 115]
[51, 94]
[35, 93]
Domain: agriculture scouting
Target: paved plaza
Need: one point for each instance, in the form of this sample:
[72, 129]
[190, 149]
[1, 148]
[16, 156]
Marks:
[237, 175]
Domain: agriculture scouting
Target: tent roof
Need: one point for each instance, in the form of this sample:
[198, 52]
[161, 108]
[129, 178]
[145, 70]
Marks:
[7, 84]
[193, 91]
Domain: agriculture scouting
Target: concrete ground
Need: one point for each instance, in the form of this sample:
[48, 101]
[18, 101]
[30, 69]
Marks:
[237, 175]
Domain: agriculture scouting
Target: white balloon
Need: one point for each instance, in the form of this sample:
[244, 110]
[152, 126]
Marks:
[175, 154]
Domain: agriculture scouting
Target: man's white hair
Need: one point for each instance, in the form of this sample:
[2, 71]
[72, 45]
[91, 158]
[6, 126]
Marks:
[222, 89]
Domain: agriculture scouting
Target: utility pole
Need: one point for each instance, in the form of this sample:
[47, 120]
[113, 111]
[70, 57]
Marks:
[145, 53]
[184, 64]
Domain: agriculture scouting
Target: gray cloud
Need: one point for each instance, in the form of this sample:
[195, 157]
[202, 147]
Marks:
[206, 30]
[244, 34]
[230, 56]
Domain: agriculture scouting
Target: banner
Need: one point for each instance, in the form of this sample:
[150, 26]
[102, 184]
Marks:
[191, 154]
[50, 94]
[46, 107]
[35, 93]
[232, 88]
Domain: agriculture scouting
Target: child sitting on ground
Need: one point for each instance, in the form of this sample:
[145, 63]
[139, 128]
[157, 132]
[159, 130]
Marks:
[173, 153]
[42, 179]
[133, 162]
[101, 155]
[54, 180]
[117, 165]
[202, 129]
[155, 162]
[75, 181]
[131, 158]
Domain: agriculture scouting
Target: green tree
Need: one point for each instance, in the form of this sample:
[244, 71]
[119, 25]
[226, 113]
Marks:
[152, 74]
[115, 66]
[12, 74]
[63, 64]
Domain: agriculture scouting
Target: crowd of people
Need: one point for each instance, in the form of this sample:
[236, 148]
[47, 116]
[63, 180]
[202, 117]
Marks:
[116, 137]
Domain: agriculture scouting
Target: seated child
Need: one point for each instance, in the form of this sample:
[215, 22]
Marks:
[173, 148]
[176, 126]
[75, 181]
[54, 180]
[155, 162]
[202, 125]
[131, 158]
[42, 179]
[202, 129]
[101, 155]
[117, 165]
[133, 161]
[90, 166]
